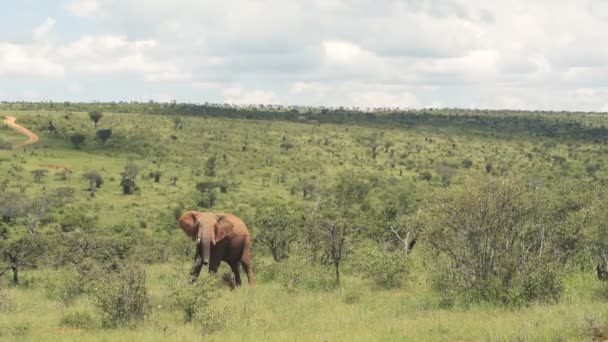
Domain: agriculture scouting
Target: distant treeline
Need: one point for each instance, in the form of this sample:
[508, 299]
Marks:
[544, 123]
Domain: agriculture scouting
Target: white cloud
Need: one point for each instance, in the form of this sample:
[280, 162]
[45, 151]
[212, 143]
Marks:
[380, 97]
[206, 85]
[343, 52]
[237, 95]
[116, 54]
[327, 52]
[84, 8]
[301, 87]
[44, 29]
[27, 61]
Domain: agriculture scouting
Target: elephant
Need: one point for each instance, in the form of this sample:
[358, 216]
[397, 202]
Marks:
[219, 237]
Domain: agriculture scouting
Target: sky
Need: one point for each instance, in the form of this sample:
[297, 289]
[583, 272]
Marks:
[517, 54]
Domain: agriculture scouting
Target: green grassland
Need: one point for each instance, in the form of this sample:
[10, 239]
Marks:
[269, 162]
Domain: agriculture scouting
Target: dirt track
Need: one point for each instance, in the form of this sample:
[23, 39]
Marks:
[31, 137]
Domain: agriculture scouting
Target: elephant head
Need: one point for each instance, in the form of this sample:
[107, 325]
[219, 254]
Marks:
[200, 227]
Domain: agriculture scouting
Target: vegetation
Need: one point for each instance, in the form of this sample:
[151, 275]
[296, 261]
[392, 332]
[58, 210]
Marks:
[436, 224]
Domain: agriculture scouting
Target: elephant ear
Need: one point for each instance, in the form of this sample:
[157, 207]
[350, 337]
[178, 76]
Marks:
[189, 224]
[223, 227]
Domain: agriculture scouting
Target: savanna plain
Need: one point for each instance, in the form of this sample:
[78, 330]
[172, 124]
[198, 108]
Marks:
[367, 225]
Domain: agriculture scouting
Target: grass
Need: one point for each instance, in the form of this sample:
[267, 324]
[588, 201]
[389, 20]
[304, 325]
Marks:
[269, 313]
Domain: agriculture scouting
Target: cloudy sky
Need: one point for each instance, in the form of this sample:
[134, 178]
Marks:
[523, 54]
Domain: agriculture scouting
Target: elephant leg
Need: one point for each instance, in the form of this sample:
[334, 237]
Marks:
[237, 272]
[198, 263]
[215, 259]
[249, 270]
[246, 262]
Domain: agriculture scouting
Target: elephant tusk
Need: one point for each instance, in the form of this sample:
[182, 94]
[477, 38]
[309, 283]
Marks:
[213, 241]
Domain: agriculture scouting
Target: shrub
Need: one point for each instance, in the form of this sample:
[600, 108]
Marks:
[212, 320]
[121, 297]
[190, 299]
[384, 269]
[486, 235]
[77, 139]
[78, 319]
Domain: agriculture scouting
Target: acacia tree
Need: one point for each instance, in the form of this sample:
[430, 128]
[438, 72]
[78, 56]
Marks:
[95, 116]
[18, 254]
[277, 230]
[331, 233]
[35, 211]
[336, 219]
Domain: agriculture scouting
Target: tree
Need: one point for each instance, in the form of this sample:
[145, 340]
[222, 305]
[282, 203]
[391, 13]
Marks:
[77, 139]
[210, 166]
[446, 173]
[12, 206]
[39, 174]
[95, 116]
[103, 135]
[129, 176]
[94, 179]
[20, 253]
[277, 230]
[36, 210]
[488, 232]
[331, 233]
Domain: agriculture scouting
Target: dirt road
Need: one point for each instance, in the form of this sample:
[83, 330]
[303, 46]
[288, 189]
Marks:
[31, 137]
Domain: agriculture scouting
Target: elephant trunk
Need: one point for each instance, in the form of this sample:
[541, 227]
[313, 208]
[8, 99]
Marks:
[205, 242]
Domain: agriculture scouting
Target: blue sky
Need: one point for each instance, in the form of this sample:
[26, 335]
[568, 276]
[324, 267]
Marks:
[519, 54]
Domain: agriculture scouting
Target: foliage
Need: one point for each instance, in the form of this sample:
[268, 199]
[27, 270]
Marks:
[192, 300]
[78, 139]
[210, 166]
[121, 297]
[39, 174]
[487, 232]
[95, 116]
[385, 269]
[103, 135]
[94, 178]
[129, 175]
[276, 228]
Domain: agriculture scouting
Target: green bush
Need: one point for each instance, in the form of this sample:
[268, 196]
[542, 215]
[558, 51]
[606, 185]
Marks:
[212, 320]
[78, 319]
[121, 297]
[192, 299]
[385, 269]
